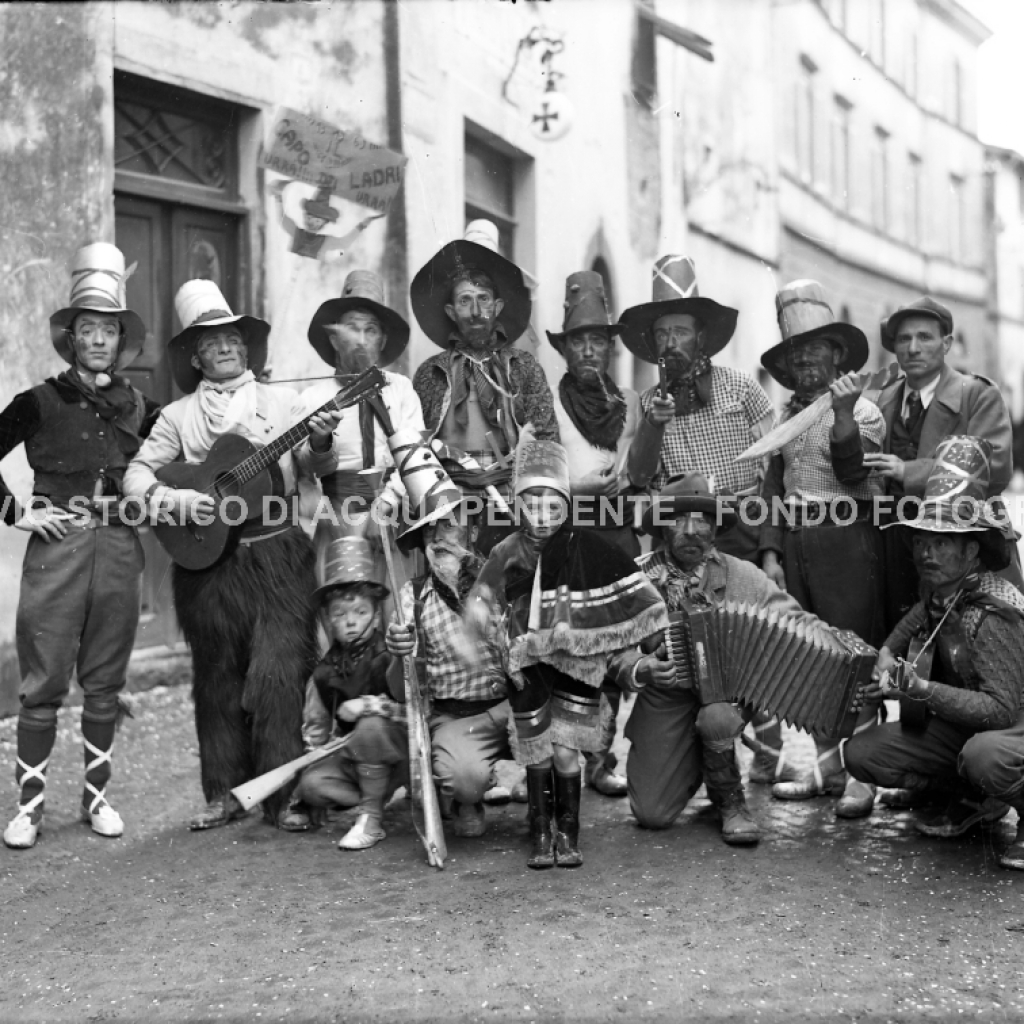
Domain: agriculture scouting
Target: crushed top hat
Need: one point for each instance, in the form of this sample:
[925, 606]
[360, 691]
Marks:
[319, 205]
[683, 495]
[805, 315]
[99, 285]
[431, 493]
[586, 305]
[541, 464]
[674, 290]
[200, 305]
[955, 500]
[924, 306]
[363, 289]
[431, 287]
[349, 560]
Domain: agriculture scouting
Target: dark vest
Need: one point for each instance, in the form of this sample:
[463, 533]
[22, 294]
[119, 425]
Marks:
[338, 679]
[74, 448]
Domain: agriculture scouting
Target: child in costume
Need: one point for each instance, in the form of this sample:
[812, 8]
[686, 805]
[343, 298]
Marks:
[348, 695]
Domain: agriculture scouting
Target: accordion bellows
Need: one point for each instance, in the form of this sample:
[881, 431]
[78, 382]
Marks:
[796, 667]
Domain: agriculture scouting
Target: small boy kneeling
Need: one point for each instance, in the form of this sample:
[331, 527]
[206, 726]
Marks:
[348, 695]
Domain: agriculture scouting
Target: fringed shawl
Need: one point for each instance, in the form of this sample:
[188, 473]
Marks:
[590, 601]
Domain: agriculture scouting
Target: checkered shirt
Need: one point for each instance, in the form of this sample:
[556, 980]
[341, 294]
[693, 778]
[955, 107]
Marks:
[808, 458]
[709, 440]
[447, 678]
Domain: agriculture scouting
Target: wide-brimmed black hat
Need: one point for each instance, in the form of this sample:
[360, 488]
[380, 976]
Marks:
[674, 290]
[200, 304]
[431, 287]
[363, 289]
[805, 315]
[924, 306]
[683, 494]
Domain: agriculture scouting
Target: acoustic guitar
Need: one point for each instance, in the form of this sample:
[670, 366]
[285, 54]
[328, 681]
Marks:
[236, 468]
[914, 713]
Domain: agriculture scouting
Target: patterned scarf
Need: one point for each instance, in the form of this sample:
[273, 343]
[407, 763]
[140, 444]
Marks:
[979, 590]
[596, 408]
[677, 586]
[491, 377]
[217, 408]
[117, 405]
[692, 391]
[352, 670]
[798, 402]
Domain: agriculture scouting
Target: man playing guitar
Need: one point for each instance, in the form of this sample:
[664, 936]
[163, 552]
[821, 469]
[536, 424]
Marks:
[248, 618]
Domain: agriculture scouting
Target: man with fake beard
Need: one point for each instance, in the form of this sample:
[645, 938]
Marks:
[969, 751]
[354, 332]
[469, 712]
[829, 544]
[480, 393]
[677, 741]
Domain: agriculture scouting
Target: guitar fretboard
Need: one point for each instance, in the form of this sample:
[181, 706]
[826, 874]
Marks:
[369, 381]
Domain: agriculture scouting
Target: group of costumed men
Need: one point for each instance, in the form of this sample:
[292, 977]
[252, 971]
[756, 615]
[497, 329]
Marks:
[526, 630]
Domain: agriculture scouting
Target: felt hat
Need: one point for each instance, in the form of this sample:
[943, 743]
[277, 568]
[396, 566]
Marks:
[200, 304]
[674, 290]
[430, 290]
[431, 493]
[586, 305]
[541, 464]
[924, 306]
[805, 315]
[319, 205]
[349, 560]
[362, 289]
[99, 285]
[684, 495]
[955, 500]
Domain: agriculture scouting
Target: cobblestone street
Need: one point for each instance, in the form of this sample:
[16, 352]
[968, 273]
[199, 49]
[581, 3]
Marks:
[825, 920]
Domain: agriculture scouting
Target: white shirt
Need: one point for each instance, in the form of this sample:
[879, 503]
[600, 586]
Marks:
[927, 393]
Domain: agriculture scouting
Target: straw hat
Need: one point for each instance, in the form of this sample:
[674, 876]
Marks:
[99, 285]
[200, 304]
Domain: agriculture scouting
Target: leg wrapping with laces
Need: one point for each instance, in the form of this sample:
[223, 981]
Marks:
[37, 730]
[98, 727]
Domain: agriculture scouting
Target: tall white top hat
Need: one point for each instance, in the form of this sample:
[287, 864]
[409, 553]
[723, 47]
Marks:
[99, 285]
[201, 304]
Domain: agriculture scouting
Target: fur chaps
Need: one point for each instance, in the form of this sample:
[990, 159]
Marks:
[250, 623]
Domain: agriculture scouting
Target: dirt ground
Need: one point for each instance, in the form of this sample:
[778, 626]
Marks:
[825, 920]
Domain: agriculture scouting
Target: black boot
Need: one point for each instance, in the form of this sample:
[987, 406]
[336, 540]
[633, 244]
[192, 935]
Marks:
[541, 799]
[567, 817]
[722, 778]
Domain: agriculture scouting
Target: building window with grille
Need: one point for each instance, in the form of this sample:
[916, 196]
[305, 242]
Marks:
[841, 152]
[914, 199]
[880, 179]
[805, 115]
[490, 190]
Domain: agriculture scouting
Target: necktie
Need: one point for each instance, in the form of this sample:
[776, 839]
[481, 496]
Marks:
[915, 410]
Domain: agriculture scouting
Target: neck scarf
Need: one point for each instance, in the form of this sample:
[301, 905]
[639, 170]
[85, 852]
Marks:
[468, 572]
[596, 408]
[692, 391]
[491, 377]
[678, 586]
[117, 405]
[218, 407]
[978, 589]
[798, 402]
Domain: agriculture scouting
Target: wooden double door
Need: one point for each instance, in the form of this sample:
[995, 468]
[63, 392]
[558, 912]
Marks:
[172, 243]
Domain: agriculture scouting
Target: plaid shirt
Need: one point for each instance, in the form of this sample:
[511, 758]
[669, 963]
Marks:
[709, 440]
[809, 474]
[446, 677]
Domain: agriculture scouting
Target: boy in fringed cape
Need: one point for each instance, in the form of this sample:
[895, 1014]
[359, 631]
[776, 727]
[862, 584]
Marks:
[565, 603]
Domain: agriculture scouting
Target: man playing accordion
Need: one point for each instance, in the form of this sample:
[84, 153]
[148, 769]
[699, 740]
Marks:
[677, 742]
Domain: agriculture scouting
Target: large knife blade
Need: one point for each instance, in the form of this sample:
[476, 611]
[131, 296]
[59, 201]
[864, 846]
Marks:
[792, 428]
